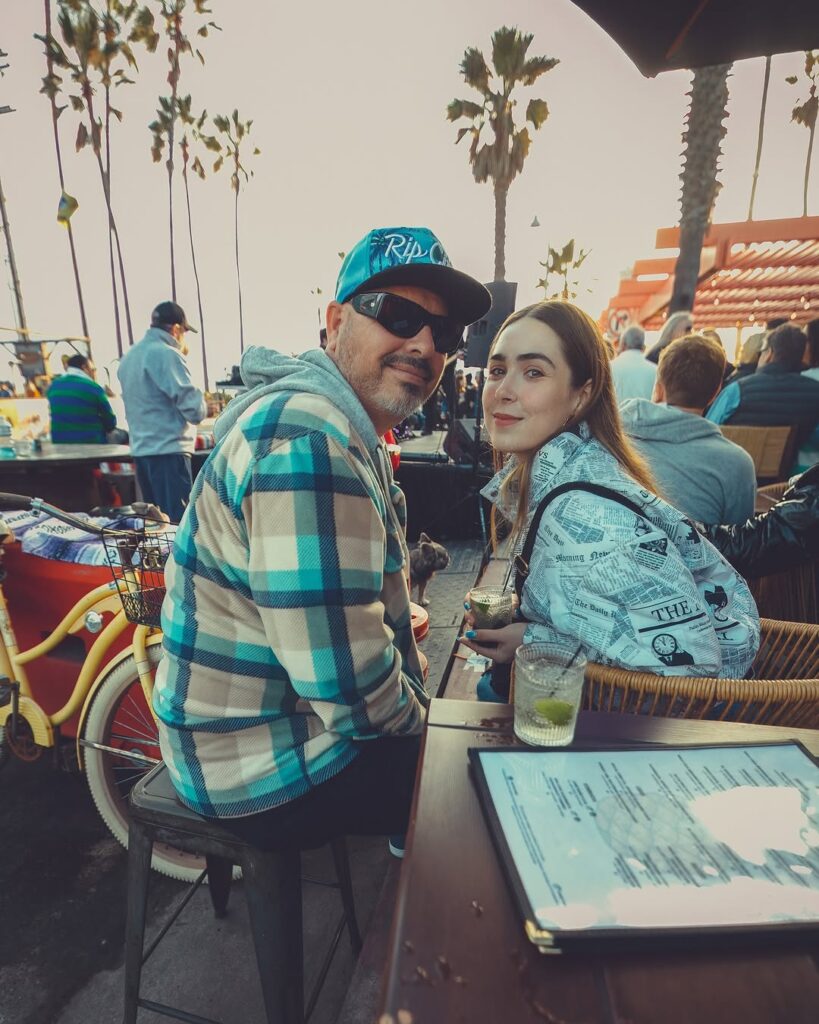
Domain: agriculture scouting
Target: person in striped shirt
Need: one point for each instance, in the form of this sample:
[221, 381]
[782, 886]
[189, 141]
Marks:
[79, 408]
[290, 695]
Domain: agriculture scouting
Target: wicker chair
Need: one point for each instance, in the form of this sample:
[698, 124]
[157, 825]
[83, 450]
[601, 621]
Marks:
[784, 692]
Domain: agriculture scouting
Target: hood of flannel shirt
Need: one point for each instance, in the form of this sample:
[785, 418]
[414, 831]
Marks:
[266, 371]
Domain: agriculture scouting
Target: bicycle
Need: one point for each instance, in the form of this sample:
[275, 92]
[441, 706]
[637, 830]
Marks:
[108, 709]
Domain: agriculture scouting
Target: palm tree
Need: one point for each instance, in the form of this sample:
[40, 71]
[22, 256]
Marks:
[51, 85]
[196, 129]
[233, 133]
[163, 128]
[502, 158]
[760, 133]
[805, 113]
[96, 43]
[702, 138]
[564, 263]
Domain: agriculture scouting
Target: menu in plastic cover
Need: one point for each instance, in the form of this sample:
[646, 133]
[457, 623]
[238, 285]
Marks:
[641, 843]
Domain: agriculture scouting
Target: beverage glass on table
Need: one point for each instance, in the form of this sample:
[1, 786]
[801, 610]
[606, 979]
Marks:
[491, 607]
[548, 684]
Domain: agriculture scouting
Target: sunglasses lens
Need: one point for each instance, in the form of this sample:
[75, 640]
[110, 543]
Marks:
[406, 319]
[447, 337]
[401, 317]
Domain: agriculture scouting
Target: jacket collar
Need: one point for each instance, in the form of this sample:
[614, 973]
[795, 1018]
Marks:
[548, 464]
[157, 334]
[775, 370]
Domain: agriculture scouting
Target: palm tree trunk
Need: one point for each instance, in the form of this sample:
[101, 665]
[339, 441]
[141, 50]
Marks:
[702, 137]
[170, 216]
[58, 151]
[117, 321]
[106, 191]
[760, 134]
[501, 192]
[170, 164]
[112, 227]
[807, 170]
[125, 300]
[238, 274]
[687, 270]
[196, 276]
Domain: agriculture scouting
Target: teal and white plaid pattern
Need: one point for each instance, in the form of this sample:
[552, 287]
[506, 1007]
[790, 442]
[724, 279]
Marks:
[287, 626]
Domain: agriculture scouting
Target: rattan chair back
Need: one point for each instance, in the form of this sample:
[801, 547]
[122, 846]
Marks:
[785, 690]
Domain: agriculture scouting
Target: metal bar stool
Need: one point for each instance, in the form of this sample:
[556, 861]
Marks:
[272, 883]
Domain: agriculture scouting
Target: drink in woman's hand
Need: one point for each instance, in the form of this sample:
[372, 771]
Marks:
[491, 607]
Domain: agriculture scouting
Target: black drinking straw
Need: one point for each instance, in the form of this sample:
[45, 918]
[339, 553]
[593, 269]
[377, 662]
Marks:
[571, 662]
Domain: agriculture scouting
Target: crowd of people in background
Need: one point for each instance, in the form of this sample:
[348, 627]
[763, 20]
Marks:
[695, 390]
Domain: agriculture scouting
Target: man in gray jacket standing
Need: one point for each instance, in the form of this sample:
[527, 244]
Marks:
[701, 472]
[162, 406]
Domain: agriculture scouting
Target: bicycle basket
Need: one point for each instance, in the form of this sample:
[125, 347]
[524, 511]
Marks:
[137, 561]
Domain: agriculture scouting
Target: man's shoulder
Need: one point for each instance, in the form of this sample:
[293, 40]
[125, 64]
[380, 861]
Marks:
[793, 382]
[285, 415]
[72, 382]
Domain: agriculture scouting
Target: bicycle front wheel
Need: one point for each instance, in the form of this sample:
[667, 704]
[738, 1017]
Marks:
[121, 745]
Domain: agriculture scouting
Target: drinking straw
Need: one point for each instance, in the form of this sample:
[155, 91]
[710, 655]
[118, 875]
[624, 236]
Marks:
[571, 662]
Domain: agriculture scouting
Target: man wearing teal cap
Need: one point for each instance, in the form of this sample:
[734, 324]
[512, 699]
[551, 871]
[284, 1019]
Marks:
[291, 693]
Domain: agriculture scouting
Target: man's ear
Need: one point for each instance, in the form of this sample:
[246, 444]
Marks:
[658, 394]
[333, 318]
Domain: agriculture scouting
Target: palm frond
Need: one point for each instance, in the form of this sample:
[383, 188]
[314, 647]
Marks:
[537, 111]
[509, 46]
[534, 67]
[475, 70]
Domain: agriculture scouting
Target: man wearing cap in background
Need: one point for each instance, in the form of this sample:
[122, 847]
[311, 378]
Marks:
[162, 407]
[290, 698]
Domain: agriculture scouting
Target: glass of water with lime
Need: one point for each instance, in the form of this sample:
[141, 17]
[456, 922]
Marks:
[548, 684]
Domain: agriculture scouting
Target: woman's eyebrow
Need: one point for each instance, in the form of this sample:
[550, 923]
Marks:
[499, 357]
[526, 356]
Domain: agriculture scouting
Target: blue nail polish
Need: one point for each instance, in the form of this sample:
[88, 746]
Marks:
[467, 605]
[470, 634]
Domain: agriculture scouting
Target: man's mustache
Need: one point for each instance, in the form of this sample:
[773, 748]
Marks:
[420, 365]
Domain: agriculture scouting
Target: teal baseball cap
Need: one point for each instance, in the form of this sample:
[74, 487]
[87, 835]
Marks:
[412, 256]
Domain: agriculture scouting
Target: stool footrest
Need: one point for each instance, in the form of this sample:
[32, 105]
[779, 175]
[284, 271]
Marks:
[172, 1011]
[325, 968]
[177, 911]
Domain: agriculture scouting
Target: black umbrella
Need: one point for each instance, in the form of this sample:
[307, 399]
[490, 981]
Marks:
[664, 35]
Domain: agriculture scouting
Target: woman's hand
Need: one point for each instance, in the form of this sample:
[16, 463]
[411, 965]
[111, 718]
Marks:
[496, 644]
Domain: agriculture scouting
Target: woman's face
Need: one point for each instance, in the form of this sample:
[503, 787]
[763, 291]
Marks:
[528, 396]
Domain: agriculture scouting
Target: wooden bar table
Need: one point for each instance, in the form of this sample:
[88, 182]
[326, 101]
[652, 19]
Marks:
[458, 952]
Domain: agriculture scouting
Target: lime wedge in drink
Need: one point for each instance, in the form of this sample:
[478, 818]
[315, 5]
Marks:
[482, 607]
[556, 712]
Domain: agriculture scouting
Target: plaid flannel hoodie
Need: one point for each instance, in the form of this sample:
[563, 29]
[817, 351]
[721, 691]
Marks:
[287, 626]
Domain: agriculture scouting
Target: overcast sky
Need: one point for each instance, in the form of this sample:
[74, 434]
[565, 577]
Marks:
[349, 103]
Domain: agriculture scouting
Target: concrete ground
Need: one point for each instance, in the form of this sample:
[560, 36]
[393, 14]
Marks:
[62, 898]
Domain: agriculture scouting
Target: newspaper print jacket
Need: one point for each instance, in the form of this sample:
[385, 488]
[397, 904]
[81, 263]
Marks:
[645, 592]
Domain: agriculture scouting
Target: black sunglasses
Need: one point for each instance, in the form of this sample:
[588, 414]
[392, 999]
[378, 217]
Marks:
[405, 319]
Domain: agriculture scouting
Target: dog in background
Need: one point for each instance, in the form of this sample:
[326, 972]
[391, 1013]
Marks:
[426, 558]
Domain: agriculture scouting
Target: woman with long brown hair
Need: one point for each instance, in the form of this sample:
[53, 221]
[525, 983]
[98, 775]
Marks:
[611, 567]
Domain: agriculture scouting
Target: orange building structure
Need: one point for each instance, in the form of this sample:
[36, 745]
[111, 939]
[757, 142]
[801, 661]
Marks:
[750, 272]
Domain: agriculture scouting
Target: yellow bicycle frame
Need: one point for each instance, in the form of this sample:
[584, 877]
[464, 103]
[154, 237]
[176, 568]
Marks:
[12, 662]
